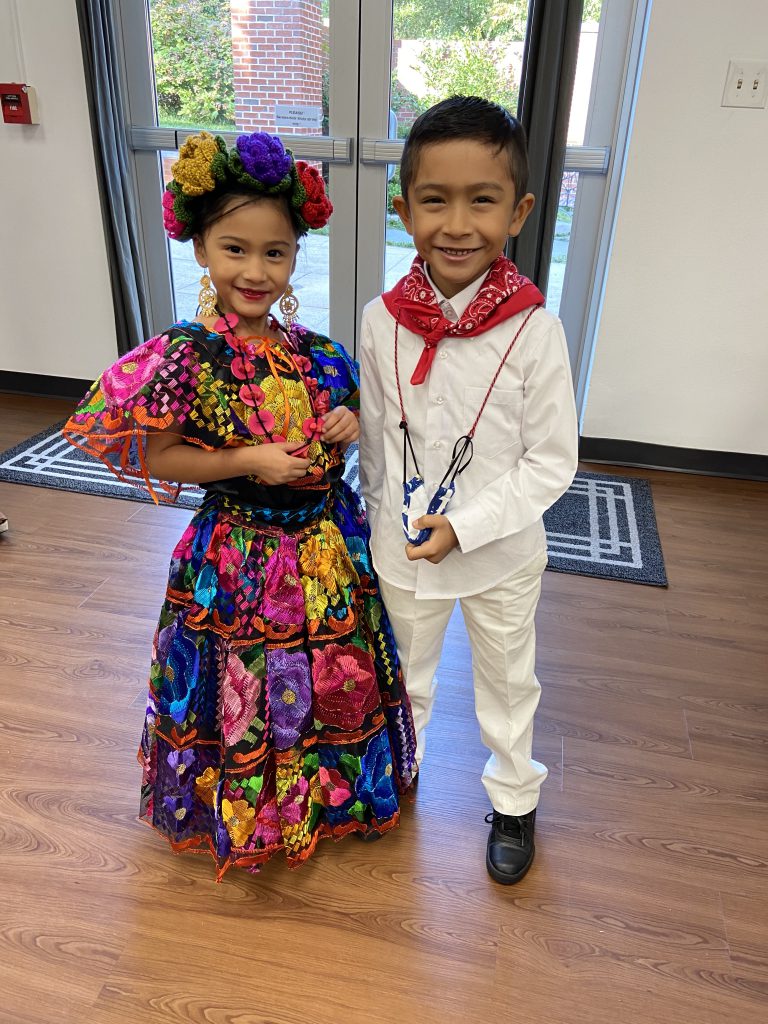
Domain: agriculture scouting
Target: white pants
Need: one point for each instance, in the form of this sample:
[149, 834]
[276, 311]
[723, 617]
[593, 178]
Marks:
[500, 624]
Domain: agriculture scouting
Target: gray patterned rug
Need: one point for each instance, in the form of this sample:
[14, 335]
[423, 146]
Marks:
[602, 526]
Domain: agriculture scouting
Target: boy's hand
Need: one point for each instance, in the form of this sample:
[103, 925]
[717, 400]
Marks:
[440, 542]
[341, 426]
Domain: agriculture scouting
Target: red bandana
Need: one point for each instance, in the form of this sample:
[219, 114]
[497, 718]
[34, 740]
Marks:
[412, 302]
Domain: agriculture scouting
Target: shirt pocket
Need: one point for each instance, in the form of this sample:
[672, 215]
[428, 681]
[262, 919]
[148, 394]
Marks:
[500, 423]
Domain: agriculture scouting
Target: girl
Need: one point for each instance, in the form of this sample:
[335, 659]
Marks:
[276, 712]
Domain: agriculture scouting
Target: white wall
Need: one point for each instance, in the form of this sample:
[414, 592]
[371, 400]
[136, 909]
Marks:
[54, 280]
[682, 351]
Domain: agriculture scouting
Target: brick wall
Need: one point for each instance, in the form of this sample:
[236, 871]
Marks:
[277, 49]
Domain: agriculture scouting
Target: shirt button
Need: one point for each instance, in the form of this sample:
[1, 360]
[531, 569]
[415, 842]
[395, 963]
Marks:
[437, 444]
[443, 355]
[439, 399]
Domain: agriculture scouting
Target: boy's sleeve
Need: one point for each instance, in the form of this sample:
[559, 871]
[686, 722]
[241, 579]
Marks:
[549, 434]
[372, 461]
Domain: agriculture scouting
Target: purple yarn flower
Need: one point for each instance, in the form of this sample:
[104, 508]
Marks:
[264, 157]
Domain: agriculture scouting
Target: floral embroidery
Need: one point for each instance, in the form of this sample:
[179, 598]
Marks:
[133, 371]
[240, 692]
[334, 787]
[375, 784]
[345, 686]
[290, 696]
[239, 819]
[180, 761]
[206, 784]
[293, 806]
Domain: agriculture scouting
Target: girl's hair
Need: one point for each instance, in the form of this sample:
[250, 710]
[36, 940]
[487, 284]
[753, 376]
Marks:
[207, 176]
[473, 118]
[215, 205]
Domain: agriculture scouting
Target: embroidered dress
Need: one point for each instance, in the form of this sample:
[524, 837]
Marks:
[277, 713]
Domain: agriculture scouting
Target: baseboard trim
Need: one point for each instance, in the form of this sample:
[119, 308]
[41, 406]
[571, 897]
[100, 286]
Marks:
[42, 385]
[610, 451]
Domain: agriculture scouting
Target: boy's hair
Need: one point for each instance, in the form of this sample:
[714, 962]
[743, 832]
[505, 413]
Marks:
[467, 117]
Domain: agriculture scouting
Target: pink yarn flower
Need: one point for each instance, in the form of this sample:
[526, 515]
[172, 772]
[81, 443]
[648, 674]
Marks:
[312, 428]
[243, 369]
[173, 226]
[136, 368]
[262, 424]
[252, 395]
[240, 690]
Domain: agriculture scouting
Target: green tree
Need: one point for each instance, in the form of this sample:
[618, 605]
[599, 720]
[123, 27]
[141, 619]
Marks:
[468, 67]
[476, 19]
[194, 75]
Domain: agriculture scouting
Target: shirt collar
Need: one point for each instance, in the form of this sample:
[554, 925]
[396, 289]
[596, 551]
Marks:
[453, 309]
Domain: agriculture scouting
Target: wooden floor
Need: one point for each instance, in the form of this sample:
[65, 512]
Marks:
[648, 900]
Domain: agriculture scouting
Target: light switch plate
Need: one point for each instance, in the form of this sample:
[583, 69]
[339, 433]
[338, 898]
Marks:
[746, 84]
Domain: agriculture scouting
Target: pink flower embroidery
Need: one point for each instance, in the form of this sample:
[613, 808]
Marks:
[268, 824]
[293, 806]
[334, 786]
[283, 596]
[345, 686]
[130, 373]
[323, 402]
[240, 691]
[230, 564]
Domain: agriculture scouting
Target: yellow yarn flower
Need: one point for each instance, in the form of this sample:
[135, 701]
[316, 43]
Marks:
[193, 168]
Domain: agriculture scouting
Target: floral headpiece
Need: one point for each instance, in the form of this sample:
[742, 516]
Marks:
[259, 162]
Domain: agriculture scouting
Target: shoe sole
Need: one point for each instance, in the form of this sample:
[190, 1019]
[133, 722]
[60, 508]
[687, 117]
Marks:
[504, 879]
[369, 837]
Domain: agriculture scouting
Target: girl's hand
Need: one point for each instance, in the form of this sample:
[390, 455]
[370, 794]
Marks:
[341, 426]
[273, 462]
[170, 458]
[440, 542]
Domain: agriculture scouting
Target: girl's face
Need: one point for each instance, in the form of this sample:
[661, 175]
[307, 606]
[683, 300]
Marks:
[250, 253]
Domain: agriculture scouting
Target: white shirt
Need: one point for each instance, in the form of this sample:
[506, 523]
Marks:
[525, 446]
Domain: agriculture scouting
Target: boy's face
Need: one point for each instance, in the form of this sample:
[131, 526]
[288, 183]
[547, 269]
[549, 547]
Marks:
[460, 210]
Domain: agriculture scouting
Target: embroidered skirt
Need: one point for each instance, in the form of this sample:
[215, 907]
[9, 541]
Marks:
[276, 712]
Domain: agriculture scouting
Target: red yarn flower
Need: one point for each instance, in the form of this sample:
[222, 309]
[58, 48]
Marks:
[317, 207]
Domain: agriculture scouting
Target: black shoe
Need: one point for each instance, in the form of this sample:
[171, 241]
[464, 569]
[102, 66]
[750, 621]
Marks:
[510, 846]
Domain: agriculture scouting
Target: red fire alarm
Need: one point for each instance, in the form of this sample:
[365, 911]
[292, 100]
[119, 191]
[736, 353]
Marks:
[19, 103]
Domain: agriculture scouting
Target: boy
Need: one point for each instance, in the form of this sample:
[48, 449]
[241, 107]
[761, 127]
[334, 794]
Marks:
[437, 339]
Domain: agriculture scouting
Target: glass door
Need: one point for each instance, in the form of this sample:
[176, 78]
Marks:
[341, 82]
[229, 67]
